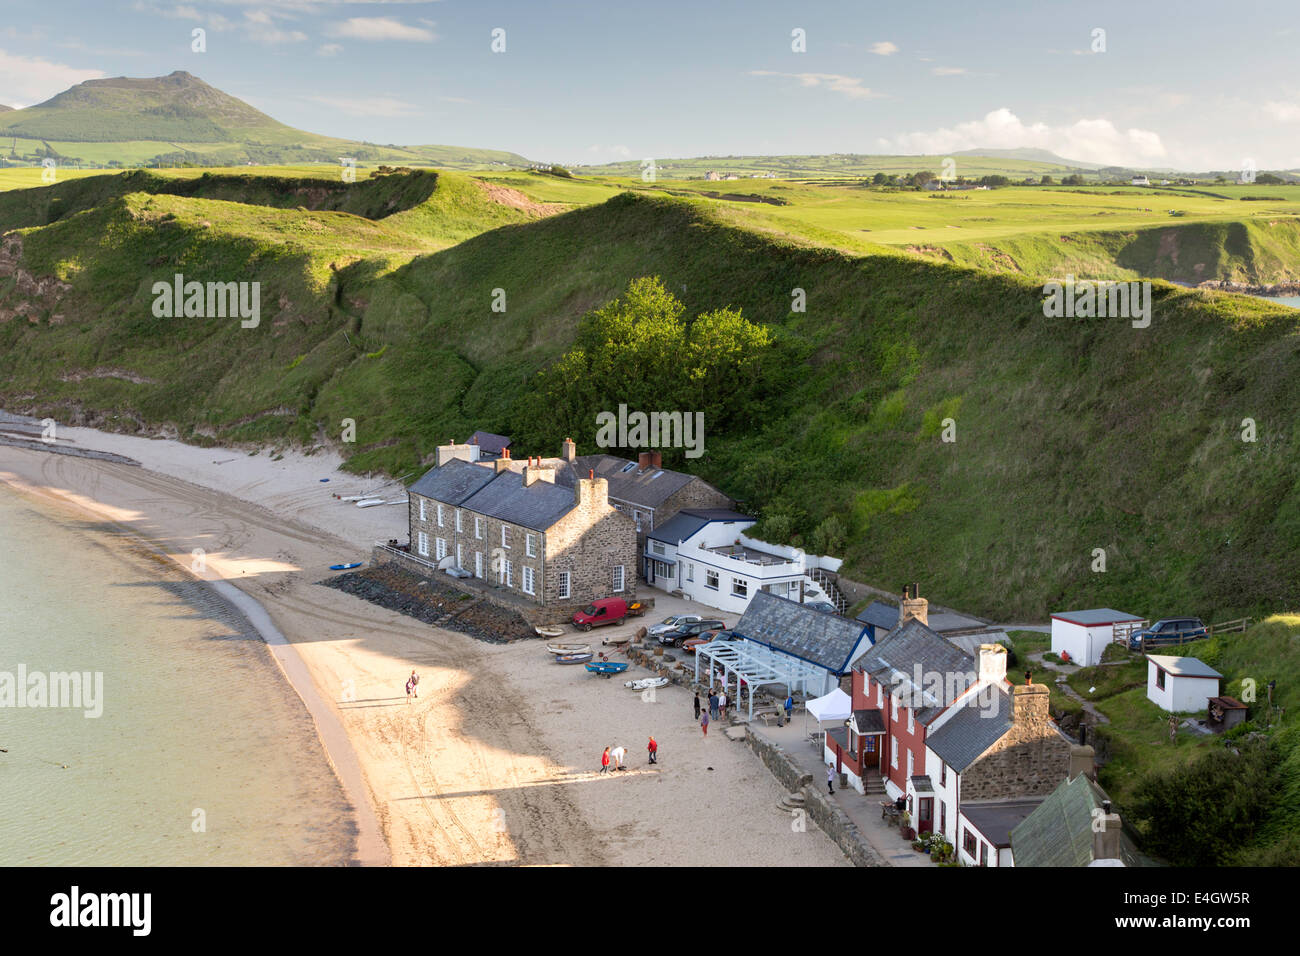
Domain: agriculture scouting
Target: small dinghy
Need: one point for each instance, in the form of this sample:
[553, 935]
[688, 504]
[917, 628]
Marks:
[646, 683]
[370, 502]
[607, 668]
[568, 648]
[617, 640]
[345, 567]
[573, 658]
[549, 632]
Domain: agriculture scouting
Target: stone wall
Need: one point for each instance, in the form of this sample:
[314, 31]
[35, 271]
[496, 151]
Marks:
[1030, 760]
[694, 494]
[828, 816]
[589, 543]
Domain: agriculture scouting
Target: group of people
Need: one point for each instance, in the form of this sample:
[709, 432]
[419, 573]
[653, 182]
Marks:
[717, 708]
[613, 757]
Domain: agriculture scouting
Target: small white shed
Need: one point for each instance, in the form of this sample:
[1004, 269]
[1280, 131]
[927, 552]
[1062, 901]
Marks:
[1180, 685]
[1084, 634]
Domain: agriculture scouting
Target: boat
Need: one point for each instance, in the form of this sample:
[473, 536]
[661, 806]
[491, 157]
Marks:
[345, 567]
[617, 640]
[646, 683]
[568, 648]
[549, 631]
[607, 668]
[577, 657]
[370, 502]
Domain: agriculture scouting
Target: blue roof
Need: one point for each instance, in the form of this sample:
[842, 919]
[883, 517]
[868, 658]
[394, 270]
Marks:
[452, 482]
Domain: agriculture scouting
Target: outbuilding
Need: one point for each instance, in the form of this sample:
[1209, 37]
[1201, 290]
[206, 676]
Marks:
[1084, 635]
[1180, 685]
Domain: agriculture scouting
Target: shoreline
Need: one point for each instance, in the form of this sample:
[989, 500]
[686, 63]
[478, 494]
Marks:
[372, 848]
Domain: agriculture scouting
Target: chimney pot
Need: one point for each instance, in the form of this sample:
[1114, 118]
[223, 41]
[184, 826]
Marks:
[656, 459]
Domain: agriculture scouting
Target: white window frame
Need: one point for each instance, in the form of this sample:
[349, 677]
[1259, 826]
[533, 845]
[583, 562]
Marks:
[529, 550]
[620, 578]
[710, 573]
[439, 548]
[478, 527]
[423, 502]
[690, 572]
[893, 707]
[478, 565]
[880, 696]
[530, 578]
[911, 764]
[562, 591]
[440, 514]
[458, 514]
[422, 544]
[510, 574]
[740, 587]
[505, 537]
[893, 751]
[911, 721]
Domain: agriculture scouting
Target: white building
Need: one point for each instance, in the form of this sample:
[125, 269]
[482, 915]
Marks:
[1141, 181]
[1180, 685]
[1085, 634]
[705, 555]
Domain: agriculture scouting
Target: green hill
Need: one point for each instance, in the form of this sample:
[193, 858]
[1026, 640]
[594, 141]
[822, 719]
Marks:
[1072, 435]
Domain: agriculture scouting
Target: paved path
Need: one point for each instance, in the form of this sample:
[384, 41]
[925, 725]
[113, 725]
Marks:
[1066, 689]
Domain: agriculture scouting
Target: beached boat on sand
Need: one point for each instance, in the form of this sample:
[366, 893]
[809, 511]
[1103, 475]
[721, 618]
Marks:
[550, 631]
[617, 640]
[607, 668]
[568, 648]
[573, 658]
[646, 683]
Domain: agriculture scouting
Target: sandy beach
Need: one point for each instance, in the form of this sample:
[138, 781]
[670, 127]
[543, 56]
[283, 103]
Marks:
[497, 761]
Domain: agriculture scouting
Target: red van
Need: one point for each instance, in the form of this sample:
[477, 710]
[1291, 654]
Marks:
[601, 611]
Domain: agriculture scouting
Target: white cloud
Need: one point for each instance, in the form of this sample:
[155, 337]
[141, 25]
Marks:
[1283, 112]
[369, 106]
[948, 70]
[1089, 140]
[884, 48]
[30, 79]
[381, 28]
[329, 49]
[850, 86]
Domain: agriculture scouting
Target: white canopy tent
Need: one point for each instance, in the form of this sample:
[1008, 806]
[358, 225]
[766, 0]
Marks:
[756, 665]
[836, 705]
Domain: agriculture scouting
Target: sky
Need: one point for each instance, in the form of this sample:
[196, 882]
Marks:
[1192, 85]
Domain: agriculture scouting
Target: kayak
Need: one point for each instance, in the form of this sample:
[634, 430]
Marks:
[345, 567]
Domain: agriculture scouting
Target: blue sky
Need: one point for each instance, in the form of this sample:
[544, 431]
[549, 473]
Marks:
[1190, 85]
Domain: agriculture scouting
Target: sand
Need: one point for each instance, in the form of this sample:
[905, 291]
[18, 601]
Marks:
[497, 761]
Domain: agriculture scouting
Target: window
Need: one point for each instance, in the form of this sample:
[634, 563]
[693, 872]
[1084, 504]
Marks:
[422, 515]
[984, 854]
[458, 527]
[943, 817]
[440, 515]
[478, 564]
[880, 697]
[893, 707]
[618, 579]
[528, 545]
[969, 844]
[506, 575]
[528, 580]
[711, 580]
[440, 548]
[478, 527]
[910, 768]
[943, 774]
[740, 587]
[657, 548]
[690, 572]
[1160, 678]
[562, 587]
[911, 722]
[422, 543]
[505, 536]
[893, 752]
[870, 743]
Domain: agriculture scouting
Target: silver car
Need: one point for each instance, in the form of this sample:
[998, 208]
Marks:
[673, 623]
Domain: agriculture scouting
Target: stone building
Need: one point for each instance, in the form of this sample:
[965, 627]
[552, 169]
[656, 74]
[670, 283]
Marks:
[516, 525]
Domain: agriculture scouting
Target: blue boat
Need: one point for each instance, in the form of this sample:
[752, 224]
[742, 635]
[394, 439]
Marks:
[345, 567]
[607, 668]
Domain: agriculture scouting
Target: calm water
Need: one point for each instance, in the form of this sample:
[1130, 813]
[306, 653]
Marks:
[1291, 300]
[196, 716]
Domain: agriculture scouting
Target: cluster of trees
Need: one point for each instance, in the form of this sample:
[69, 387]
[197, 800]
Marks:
[921, 177]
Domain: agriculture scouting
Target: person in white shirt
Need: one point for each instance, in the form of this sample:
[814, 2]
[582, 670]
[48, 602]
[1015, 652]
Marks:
[617, 754]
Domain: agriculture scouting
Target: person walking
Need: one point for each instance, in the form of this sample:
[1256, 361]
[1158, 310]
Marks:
[722, 705]
[604, 761]
[415, 685]
[653, 749]
[789, 707]
[697, 705]
[617, 755]
[704, 723]
[713, 704]
[830, 779]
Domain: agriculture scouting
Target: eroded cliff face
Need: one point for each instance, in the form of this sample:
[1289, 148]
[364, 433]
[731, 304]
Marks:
[29, 297]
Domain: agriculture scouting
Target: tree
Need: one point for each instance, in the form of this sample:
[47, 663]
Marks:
[879, 179]
[1047, 180]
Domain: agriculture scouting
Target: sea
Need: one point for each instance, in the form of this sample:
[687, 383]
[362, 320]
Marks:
[1292, 300]
[201, 753]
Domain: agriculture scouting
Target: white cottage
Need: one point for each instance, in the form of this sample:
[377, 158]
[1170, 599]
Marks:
[1085, 634]
[1180, 685]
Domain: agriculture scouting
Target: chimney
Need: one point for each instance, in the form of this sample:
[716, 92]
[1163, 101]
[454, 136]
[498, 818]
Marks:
[1083, 760]
[1106, 826]
[568, 450]
[913, 605]
[445, 453]
[991, 663]
[656, 459]
[503, 463]
[1029, 703]
[643, 460]
[536, 472]
[591, 491]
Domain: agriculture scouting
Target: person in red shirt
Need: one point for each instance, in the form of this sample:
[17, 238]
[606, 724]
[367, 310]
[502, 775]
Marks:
[604, 761]
[653, 747]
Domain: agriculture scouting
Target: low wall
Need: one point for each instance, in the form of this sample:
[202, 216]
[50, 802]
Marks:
[828, 816]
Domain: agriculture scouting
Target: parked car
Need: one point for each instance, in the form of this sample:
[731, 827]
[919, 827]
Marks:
[1171, 630]
[601, 611]
[692, 643]
[672, 624]
[458, 572]
[687, 631]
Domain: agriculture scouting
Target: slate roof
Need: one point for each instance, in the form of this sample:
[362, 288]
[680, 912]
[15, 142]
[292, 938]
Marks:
[1059, 832]
[488, 442]
[1095, 616]
[879, 614]
[537, 506]
[452, 482]
[868, 722]
[894, 659]
[972, 730]
[996, 820]
[688, 521]
[1183, 666]
[826, 640]
[649, 487]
